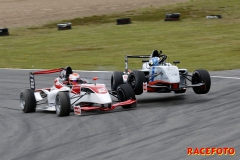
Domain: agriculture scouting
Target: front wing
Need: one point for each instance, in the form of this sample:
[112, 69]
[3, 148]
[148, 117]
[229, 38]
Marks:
[78, 109]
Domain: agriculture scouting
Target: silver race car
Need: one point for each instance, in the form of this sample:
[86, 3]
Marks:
[159, 76]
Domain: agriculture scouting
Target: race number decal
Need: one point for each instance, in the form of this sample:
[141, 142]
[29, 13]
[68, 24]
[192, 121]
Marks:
[32, 81]
[77, 110]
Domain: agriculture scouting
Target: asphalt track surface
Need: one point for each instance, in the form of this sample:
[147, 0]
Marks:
[162, 127]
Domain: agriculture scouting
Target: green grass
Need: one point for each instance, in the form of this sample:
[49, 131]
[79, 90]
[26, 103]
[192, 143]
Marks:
[97, 43]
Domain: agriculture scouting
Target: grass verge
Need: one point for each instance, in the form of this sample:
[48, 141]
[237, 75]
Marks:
[97, 43]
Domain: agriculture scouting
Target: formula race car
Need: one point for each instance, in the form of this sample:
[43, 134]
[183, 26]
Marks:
[158, 76]
[76, 94]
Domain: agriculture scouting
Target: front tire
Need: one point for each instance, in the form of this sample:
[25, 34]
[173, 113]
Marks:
[136, 80]
[125, 92]
[201, 76]
[116, 80]
[27, 101]
[62, 104]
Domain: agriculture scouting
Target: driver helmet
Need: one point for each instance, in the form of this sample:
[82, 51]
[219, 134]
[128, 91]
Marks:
[154, 61]
[155, 53]
[74, 78]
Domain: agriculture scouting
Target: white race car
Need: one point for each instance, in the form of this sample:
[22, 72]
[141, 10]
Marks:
[159, 76]
[78, 97]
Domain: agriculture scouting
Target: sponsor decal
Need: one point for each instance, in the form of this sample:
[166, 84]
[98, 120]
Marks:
[99, 88]
[125, 78]
[77, 110]
[152, 77]
[211, 151]
[145, 87]
[102, 90]
[171, 67]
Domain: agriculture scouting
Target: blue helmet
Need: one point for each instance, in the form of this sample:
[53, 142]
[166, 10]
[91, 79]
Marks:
[155, 61]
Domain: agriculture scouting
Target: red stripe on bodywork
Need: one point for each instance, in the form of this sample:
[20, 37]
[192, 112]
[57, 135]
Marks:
[149, 89]
[173, 85]
[157, 82]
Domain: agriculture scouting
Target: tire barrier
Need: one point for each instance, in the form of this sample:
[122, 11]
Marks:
[172, 17]
[214, 17]
[121, 21]
[64, 26]
[4, 32]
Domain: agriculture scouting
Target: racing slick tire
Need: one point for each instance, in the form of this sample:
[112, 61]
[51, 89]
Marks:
[62, 104]
[28, 101]
[136, 80]
[125, 92]
[201, 76]
[116, 80]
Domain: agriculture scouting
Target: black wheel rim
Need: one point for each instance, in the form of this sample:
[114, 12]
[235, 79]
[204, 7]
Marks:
[132, 81]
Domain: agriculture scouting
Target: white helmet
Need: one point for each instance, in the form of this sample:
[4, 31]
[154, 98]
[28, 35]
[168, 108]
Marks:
[74, 78]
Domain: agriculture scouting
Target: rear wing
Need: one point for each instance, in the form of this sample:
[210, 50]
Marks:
[31, 75]
[130, 56]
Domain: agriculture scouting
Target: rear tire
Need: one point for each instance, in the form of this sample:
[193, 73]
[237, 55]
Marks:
[116, 80]
[201, 76]
[125, 92]
[28, 101]
[62, 104]
[136, 80]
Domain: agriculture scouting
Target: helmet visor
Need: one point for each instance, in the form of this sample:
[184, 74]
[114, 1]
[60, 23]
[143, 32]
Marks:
[74, 81]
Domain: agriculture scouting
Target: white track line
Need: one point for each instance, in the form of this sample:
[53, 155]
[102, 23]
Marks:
[225, 77]
[109, 71]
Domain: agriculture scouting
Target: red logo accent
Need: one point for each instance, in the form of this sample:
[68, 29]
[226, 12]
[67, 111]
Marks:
[77, 110]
